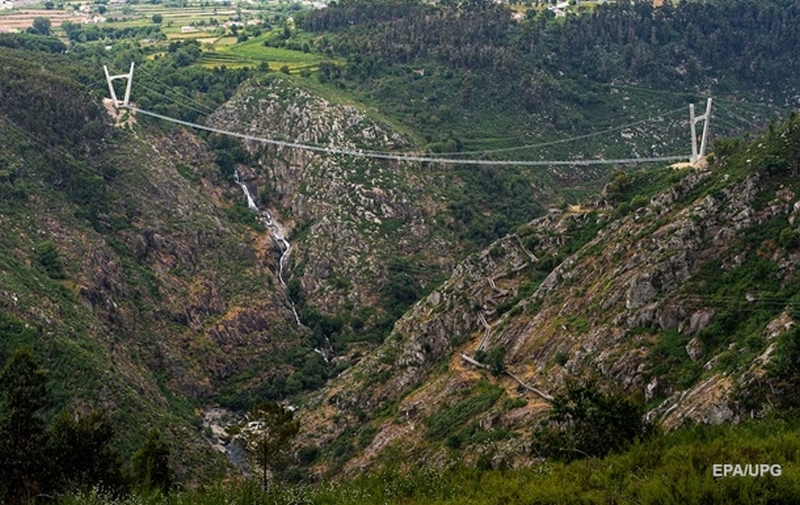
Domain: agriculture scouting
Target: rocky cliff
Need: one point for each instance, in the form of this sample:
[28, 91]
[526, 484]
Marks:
[348, 218]
[673, 284]
[149, 273]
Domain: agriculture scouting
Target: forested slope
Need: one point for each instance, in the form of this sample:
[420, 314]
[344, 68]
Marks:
[736, 46]
[130, 274]
[133, 267]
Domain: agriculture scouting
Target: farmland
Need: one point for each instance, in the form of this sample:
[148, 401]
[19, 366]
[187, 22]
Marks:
[232, 36]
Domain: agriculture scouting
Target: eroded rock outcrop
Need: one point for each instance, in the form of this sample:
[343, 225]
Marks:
[606, 309]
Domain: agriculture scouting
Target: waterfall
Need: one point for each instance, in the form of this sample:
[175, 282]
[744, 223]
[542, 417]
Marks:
[277, 232]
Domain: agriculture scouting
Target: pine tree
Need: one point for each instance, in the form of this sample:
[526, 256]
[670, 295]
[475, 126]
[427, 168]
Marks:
[267, 434]
[80, 447]
[23, 438]
[150, 464]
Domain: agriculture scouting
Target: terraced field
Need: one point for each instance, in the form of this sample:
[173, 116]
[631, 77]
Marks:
[253, 52]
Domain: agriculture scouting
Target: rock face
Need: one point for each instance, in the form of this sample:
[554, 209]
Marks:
[170, 292]
[643, 300]
[347, 216]
[147, 308]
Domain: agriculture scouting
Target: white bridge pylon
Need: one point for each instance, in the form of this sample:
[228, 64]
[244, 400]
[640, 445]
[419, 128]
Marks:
[110, 79]
[693, 120]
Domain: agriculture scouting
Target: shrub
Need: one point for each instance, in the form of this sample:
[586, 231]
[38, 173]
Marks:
[788, 238]
[784, 370]
[586, 421]
[48, 257]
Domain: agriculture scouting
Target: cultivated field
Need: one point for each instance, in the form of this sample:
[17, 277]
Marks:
[19, 20]
[215, 26]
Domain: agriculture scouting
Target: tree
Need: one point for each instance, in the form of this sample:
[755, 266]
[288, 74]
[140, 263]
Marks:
[494, 359]
[586, 421]
[401, 290]
[48, 257]
[41, 26]
[80, 448]
[157, 19]
[150, 464]
[71, 29]
[784, 372]
[22, 428]
[267, 434]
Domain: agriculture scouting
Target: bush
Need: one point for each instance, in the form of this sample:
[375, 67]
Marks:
[48, 257]
[784, 371]
[620, 183]
[788, 239]
[586, 421]
[495, 359]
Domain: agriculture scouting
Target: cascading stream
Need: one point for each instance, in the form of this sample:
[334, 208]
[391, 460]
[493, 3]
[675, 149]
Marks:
[277, 233]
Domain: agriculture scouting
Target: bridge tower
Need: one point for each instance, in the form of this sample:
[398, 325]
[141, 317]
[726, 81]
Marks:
[110, 79]
[693, 120]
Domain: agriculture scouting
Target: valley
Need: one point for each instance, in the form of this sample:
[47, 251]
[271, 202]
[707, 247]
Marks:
[450, 242]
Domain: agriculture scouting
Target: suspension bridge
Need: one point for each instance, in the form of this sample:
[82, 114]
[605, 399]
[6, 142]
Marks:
[696, 154]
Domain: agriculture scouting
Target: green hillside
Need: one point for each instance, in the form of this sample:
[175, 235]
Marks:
[164, 309]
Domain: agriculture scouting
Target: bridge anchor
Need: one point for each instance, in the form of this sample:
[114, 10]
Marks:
[110, 79]
[692, 123]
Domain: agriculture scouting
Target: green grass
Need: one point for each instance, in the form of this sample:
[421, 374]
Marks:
[479, 400]
[671, 469]
[255, 49]
[227, 51]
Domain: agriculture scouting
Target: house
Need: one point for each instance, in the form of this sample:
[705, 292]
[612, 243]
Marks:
[93, 20]
[188, 29]
[6, 5]
[559, 9]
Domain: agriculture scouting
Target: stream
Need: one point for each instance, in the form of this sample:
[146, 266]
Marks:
[278, 233]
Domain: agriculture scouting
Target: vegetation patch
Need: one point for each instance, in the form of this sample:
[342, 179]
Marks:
[451, 420]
